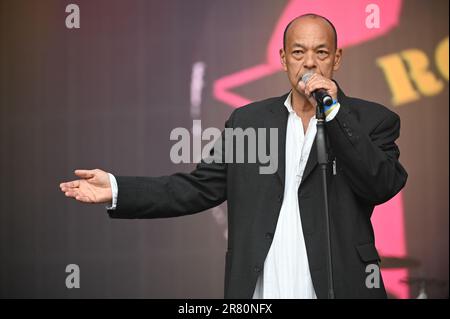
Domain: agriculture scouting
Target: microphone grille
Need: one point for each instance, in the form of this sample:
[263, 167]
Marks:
[306, 77]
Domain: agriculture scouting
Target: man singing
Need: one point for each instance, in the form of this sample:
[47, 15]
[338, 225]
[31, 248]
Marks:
[276, 222]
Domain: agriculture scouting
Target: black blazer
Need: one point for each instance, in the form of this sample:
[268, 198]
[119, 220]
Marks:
[361, 139]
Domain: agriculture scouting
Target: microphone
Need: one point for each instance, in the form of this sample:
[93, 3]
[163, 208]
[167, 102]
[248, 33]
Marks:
[321, 95]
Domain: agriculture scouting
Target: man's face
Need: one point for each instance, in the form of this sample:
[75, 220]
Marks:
[309, 48]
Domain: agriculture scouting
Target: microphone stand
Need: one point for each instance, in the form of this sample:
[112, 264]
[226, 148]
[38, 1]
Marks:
[322, 158]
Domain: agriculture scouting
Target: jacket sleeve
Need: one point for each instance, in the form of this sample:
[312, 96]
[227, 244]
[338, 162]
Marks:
[369, 161]
[175, 195]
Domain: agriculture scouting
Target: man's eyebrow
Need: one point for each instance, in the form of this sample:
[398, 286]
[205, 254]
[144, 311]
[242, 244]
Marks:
[320, 46]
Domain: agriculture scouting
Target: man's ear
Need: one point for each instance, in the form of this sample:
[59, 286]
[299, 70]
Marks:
[337, 59]
[283, 59]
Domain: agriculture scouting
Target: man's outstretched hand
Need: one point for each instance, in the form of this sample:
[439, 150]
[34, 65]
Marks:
[93, 187]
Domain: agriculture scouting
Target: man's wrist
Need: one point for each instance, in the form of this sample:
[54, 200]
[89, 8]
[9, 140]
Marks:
[327, 109]
[331, 111]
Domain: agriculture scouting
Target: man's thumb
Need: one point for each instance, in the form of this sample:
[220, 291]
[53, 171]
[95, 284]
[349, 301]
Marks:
[301, 85]
[84, 173]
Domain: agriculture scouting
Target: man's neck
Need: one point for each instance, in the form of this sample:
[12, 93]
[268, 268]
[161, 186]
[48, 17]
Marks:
[302, 107]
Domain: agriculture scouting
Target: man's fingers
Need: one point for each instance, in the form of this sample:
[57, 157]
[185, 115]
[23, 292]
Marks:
[78, 196]
[84, 173]
[69, 185]
[83, 199]
[73, 184]
[318, 84]
[71, 193]
[323, 83]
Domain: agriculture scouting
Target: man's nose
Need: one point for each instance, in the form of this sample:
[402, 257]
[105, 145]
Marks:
[310, 61]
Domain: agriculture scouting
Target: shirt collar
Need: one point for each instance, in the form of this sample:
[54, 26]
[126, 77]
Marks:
[288, 103]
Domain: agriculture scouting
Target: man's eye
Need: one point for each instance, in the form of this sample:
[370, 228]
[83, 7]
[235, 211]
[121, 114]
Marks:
[322, 52]
[298, 52]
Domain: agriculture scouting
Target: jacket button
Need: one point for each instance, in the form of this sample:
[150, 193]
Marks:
[269, 235]
[257, 269]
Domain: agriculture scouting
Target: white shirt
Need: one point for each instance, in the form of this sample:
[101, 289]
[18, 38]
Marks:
[286, 270]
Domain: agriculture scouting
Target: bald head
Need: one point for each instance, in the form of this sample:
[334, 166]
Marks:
[316, 18]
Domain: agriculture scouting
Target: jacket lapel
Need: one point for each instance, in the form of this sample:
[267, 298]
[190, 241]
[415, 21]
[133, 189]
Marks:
[312, 159]
[311, 163]
[278, 119]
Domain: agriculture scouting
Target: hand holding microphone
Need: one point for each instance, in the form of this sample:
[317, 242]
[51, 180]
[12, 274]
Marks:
[318, 89]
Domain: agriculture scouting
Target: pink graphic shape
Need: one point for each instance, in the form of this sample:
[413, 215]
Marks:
[388, 222]
[349, 18]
